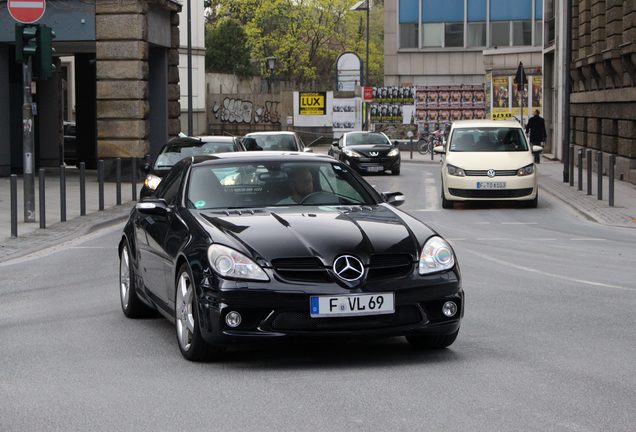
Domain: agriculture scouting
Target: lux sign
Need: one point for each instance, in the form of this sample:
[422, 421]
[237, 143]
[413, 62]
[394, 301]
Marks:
[312, 103]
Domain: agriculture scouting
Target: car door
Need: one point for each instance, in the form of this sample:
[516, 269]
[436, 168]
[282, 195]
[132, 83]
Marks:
[154, 259]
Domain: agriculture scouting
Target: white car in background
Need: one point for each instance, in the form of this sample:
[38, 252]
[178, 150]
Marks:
[488, 160]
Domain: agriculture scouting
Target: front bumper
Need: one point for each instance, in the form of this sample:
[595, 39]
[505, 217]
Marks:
[466, 188]
[374, 165]
[278, 314]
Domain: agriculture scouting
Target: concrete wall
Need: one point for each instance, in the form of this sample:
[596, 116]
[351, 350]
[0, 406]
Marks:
[603, 71]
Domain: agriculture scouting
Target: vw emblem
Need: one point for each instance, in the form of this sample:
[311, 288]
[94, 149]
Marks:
[348, 268]
[374, 153]
[490, 173]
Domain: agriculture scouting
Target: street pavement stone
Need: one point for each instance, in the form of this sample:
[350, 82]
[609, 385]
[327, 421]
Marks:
[32, 239]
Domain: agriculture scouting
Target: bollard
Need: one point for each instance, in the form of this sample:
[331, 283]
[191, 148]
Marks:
[100, 183]
[134, 178]
[432, 152]
[571, 166]
[82, 189]
[588, 158]
[612, 162]
[580, 162]
[599, 173]
[14, 205]
[118, 178]
[62, 193]
[411, 146]
[41, 193]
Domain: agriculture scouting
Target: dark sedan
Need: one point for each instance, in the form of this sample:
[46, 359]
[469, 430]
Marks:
[182, 147]
[248, 246]
[367, 152]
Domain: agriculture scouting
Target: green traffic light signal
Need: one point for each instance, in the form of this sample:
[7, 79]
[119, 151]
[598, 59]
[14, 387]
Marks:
[26, 42]
[45, 52]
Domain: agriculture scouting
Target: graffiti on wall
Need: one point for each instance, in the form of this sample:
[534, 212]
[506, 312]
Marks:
[234, 110]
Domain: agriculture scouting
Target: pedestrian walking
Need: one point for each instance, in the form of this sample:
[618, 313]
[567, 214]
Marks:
[536, 130]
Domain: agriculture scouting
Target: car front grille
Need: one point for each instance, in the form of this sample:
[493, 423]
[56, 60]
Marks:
[484, 173]
[310, 269]
[302, 321]
[490, 193]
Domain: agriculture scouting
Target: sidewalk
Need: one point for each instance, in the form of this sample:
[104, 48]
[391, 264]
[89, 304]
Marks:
[32, 238]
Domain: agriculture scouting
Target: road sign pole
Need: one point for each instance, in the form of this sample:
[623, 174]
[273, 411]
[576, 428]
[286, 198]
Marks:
[27, 144]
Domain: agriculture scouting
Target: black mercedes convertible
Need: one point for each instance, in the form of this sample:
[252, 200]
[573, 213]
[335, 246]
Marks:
[247, 246]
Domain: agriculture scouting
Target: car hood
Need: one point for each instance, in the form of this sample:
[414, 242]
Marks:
[365, 149]
[322, 232]
[489, 160]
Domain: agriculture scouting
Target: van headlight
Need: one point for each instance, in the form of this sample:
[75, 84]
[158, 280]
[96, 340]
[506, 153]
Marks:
[455, 171]
[526, 170]
[437, 255]
[227, 262]
[152, 181]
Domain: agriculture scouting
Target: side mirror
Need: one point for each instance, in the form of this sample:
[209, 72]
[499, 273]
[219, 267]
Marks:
[334, 143]
[308, 150]
[439, 150]
[396, 143]
[152, 206]
[394, 198]
[536, 149]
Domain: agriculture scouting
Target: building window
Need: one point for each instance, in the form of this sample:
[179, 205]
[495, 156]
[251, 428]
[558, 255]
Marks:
[538, 33]
[521, 33]
[408, 35]
[454, 34]
[500, 33]
[476, 34]
[432, 35]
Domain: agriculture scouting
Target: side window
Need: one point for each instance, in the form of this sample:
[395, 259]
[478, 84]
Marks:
[341, 142]
[169, 187]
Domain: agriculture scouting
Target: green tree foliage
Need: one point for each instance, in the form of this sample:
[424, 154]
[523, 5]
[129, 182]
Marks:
[226, 48]
[305, 36]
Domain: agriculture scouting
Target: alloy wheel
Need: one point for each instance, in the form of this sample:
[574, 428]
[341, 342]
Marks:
[124, 277]
[184, 311]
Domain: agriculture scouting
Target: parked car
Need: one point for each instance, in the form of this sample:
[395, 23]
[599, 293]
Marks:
[367, 152]
[488, 160]
[184, 146]
[277, 140]
[224, 253]
[70, 143]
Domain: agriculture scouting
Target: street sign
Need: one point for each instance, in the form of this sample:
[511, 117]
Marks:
[368, 93]
[26, 11]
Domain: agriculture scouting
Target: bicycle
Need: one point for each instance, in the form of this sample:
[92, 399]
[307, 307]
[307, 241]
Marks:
[429, 141]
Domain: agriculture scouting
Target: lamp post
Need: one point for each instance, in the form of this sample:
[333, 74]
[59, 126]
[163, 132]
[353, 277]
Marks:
[189, 55]
[270, 64]
[363, 5]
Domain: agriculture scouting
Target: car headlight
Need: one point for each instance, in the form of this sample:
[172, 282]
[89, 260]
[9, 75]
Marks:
[394, 152]
[152, 181]
[437, 255]
[352, 153]
[230, 263]
[526, 170]
[455, 171]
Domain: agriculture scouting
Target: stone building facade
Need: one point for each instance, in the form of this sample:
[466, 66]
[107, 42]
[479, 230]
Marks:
[126, 31]
[603, 86]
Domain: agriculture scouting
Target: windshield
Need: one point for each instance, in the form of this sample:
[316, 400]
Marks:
[367, 138]
[488, 139]
[171, 154]
[270, 142]
[274, 183]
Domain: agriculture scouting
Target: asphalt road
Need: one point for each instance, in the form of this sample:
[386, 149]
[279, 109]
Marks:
[548, 342]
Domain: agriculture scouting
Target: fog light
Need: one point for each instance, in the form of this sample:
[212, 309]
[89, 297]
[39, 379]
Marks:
[449, 309]
[233, 319]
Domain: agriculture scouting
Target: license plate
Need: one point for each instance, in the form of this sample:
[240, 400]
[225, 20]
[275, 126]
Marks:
[374, 168]
[491, 185]
[351, 305]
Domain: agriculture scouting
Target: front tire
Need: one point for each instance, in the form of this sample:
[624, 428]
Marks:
[395, 171]
[446, 204]
[428, 342]
[533, 203]
[131, 305]
[189, 339]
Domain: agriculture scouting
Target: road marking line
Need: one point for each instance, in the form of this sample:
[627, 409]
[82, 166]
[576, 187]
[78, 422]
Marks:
[587, 239]
[553, 275]
[482, 223]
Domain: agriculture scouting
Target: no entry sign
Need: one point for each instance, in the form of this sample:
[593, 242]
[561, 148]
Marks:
[26, 11]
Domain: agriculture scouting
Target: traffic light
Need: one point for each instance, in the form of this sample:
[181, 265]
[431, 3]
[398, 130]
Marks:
[45, 52]
[26, 42]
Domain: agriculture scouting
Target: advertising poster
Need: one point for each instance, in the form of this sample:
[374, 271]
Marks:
[500, 96]
[347, 115]
[456, 97]
[394, 95]
[386, 113]
[467, 99]
[421, 115]
[444, 99]
[537, 92]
